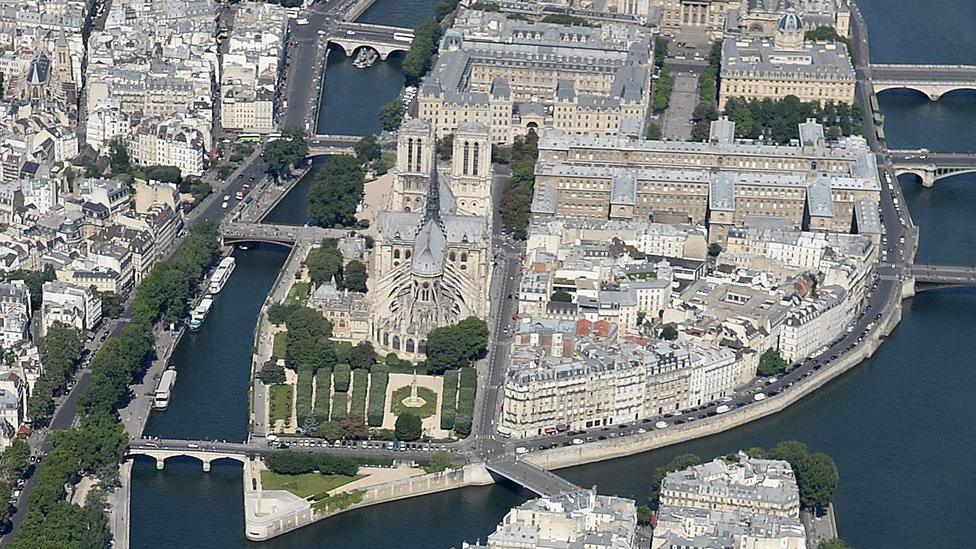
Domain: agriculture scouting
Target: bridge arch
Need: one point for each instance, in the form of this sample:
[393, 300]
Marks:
[932, 92]
[205, 458]
[232, 240]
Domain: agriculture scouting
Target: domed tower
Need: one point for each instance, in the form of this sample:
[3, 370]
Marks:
[789, 31]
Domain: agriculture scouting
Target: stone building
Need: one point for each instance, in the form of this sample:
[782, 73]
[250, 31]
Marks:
[513, 76]
[787, 65]
[605, 384]
[759, 17]
[814, 184]
[741, 504]
[580, 519]
[432, 256]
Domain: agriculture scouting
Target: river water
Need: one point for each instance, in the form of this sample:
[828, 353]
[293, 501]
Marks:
[898, 425]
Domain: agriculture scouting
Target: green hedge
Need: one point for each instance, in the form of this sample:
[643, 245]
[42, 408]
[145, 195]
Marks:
[469, 378]
[339, 406]
[448, 402]
[379, 379]
[323, 384]
[374, 461]
[465, 409]
[358, 400]
[341, 378]
[303, 395]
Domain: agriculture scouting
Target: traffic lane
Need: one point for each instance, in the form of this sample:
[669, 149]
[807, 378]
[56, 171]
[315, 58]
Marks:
[251, 175]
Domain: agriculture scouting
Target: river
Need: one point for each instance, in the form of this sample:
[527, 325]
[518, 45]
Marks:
[896, 425]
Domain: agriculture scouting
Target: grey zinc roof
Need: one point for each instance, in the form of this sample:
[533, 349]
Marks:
[429, 250]
[760, 57]
[867, 217]
[624, 189]
[820, 203]
[721, 192]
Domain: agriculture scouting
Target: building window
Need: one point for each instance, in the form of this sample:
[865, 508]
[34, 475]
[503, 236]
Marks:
[464, 163]
[477, 156]
[410, 154]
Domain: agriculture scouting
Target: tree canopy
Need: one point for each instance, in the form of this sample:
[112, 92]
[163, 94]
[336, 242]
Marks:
[355, 276]
[336, 191]
[452, 347]
[280, 155]
[367, 149]
[517, 197]
[325, 263]
[415, 65]
[391, 115]
[409, 427]
[771, 363]
[308, 346]
[680, 462]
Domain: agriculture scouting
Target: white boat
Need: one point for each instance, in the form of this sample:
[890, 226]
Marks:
[222, 274]
[161, 396]
[198, 315]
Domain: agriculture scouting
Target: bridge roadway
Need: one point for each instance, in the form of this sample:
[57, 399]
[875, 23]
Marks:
[529, 476]
[385, 40]
[942, 276]
[285, 235]
[932, 80]
[930, 166]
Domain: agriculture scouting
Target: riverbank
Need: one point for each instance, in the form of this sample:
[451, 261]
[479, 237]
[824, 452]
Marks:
[570, 456]
[271, 513]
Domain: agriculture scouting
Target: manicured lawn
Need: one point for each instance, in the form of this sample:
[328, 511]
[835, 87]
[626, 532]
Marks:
[427, 410]
[278, 348]
[298, 294]
[280, 402]
[305, 485]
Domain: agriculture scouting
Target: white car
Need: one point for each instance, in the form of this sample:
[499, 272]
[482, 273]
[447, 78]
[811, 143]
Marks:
[577, 441]
[224, 206]
[661, 425]
[722, 409]
[759, 396]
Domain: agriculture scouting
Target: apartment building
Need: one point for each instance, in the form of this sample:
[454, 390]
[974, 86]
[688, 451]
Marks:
[15, 312]
[742, 503]
[76, 306]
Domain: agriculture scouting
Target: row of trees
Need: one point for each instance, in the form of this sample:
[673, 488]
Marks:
[707, 109]
[97, 445]
[325, 264]
[778, 120]
[13, 466]
[336, 192]
[60, 349]
[297, 463]
[456, 346]
[516, 206]
[426, 34]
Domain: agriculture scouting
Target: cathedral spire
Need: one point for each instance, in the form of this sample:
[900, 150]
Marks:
[432, 211]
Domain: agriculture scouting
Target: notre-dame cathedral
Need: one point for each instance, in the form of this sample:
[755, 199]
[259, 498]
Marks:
[432, 259]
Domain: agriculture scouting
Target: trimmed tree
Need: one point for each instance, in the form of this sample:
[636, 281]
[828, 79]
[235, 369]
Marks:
[409, 427]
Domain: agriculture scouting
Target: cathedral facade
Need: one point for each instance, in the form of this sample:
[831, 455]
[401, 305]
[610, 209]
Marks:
[432, 257]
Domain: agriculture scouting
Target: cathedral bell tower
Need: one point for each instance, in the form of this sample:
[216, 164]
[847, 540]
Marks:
[415, 148]
[471, 174]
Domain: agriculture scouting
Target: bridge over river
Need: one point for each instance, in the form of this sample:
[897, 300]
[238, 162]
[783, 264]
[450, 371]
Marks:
[932, 80]
[932, 166]
[511, 468]
[284, 235]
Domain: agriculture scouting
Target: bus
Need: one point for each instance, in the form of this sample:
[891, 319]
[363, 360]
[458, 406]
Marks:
[249, 138]
[273, 137]
[401, 37]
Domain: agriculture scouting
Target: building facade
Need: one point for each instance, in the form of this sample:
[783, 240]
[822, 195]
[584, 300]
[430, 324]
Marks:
[514, 76]
[787, 65]
[814, 185]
